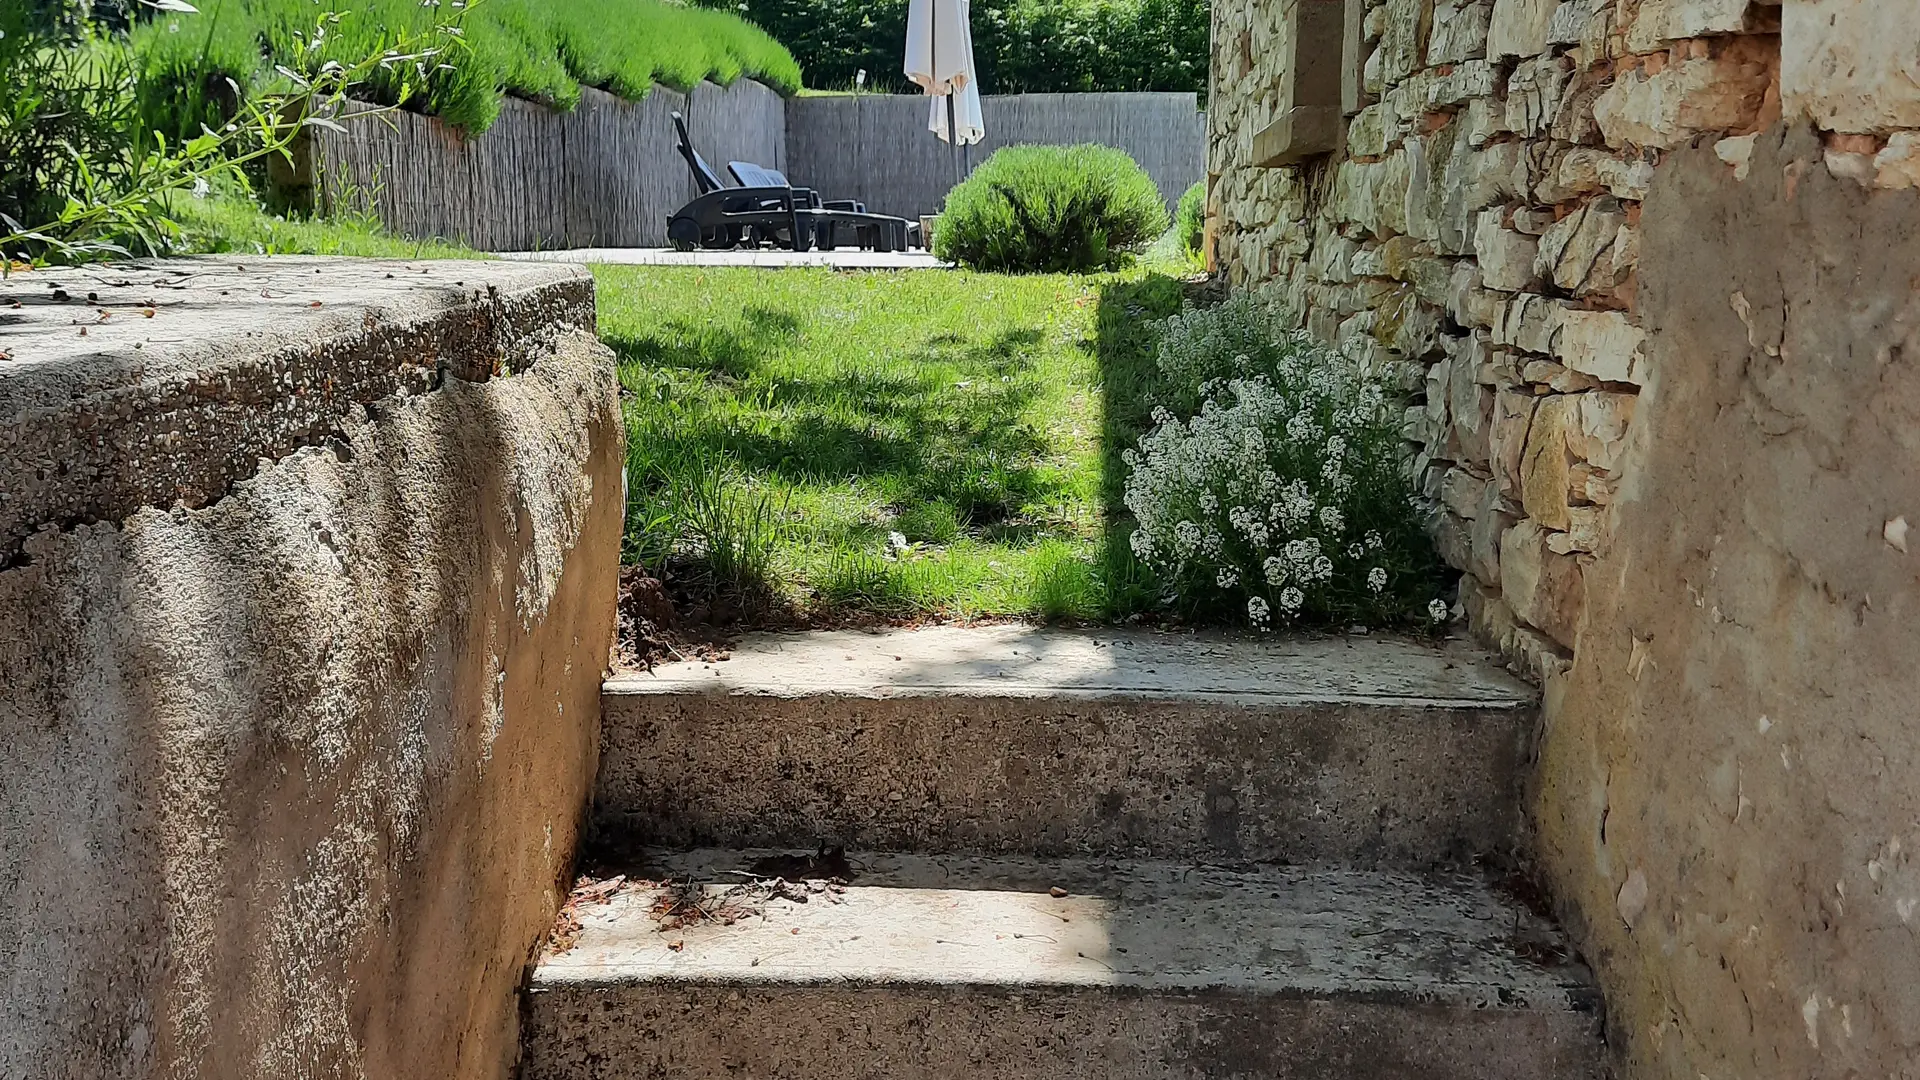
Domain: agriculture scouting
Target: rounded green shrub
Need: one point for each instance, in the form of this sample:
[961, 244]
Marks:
[1050, 209]
[1190, 217]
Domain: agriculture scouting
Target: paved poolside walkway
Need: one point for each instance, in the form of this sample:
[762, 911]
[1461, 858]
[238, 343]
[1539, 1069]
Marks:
[839, 260]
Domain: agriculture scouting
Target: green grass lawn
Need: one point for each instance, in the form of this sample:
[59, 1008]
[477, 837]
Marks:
[789, 430]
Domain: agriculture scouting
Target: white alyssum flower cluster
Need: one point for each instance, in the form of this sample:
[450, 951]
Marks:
[1267, 497]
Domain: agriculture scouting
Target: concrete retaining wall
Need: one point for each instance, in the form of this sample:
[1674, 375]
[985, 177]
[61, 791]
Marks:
[306, 583]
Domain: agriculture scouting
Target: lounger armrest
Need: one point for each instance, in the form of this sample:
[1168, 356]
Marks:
[846, 204]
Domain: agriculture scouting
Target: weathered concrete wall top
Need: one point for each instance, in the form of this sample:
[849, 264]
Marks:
[305, 597]
[146, 386]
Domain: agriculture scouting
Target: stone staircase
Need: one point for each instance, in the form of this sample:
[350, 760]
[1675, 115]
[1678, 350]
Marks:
[1067, 855]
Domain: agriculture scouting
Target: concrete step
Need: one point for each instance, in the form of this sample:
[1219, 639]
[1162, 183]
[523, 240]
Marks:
[1362, 751]
[929, 967]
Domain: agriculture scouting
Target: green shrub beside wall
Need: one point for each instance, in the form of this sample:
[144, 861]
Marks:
[1190, 217]
[543, 50]
[1051, 209]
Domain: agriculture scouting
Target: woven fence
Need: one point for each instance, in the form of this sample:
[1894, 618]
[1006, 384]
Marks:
[607, 174]
[876, 148]
[603, 175]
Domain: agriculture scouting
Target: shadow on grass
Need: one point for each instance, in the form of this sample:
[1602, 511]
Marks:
[1132, 384]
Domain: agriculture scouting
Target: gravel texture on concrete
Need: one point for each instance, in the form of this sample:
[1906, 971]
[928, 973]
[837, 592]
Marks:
[942, 966]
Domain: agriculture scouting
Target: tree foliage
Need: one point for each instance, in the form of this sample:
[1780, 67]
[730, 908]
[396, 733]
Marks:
[1021, 46]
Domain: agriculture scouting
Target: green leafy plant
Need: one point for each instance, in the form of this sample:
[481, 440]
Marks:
[1020, 46]
[541, 50]
[81, 187]
[1190, 217]
[1051, 209]
[1285, 499]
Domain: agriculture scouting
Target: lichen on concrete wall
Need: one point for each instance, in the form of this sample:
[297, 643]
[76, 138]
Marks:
[294, 768]
[1488, 235]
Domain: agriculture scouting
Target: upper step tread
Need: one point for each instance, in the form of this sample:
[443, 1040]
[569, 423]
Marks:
[937, 920]
[1035, 662]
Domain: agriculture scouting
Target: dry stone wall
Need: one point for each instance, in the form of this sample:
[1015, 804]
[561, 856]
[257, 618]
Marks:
[1480, 230]
[1646, 268]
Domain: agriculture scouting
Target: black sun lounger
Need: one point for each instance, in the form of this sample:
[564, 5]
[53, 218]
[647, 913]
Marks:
[766, 209]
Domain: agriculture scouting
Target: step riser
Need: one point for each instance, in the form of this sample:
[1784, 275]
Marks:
[691, 1032]
[1358, 784]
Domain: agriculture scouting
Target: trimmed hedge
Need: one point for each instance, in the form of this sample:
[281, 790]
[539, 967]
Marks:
[1051, 209]
[542, 50]
[1021, 46]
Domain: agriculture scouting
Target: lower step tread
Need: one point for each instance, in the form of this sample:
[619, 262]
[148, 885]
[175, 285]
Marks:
[1375, 935]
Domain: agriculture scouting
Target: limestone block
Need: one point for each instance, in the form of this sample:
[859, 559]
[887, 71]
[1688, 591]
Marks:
[1453, 540]
[1543, 589]
[1527, 650]
[1418, 333]
[1528, 322]
[1372, 131]
[1584, 170]
[1584, 531]
[1374, 25]
[1507, 437]
[1469, 405]
[1486, 118]
[1403, 42]
[1488, 529]
[1469, 80]
[1506, 257]
[1533, 93]
[1575, 122]
[1851, 65]
[1332, 258]
[1459, 31]
[1431, 277]
[1626, 252]
[1533, 220]
[1571, 19]
[1463, 493]
[1519, 28]
[1604, 344]
[1601, 433]
[1681, 101]
[1372, 74]
[1557, 377]
[1663, 21]
[1737, 152]
[1390, 179]
[1419, 429]
[1428, 156]
[1898, 164]
[1577, 253]
[1474, 181]
[1545, 479]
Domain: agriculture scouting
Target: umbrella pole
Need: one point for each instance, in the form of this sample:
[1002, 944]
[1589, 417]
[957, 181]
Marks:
[953, 139]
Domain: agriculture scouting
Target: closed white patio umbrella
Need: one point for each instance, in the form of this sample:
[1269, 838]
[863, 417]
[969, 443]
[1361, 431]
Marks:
[940, 61]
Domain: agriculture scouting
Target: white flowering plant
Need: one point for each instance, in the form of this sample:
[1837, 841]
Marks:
[1283, 497]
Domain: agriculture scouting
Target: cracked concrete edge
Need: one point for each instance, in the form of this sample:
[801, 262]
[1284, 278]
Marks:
[254, 359]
